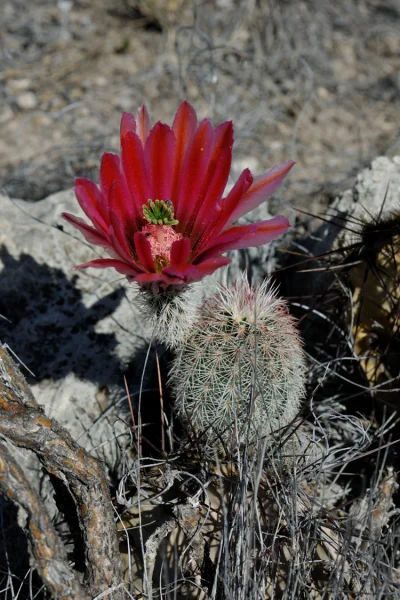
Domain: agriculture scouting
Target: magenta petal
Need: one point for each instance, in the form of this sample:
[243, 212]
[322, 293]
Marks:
[109, 172]
[132, 155]
[128, 123]
[193, 172]
[143, 250]
[207, 267]
[184, 126]
[159, 159]
[90, 234]
[246, 236]
[89, 198]
[118, 237]
[214, 180]
[120, 202]
[235, 196]
[223, 210]
[210, 208]
[143, 124]
[99, 201]
[261, 189]
[181, 271]
[104, 263]
[192, 273]
[161, 279]
[180, 251]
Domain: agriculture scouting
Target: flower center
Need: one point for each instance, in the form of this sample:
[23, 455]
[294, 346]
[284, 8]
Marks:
[159, 231]
[160, 212]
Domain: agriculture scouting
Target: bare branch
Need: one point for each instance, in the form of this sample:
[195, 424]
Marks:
[24, 422]
[46, 549]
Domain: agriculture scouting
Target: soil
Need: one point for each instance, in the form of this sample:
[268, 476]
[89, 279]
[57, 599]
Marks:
[314, 81]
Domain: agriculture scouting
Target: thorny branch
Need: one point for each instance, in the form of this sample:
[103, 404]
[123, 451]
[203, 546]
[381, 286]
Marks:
[25, 424]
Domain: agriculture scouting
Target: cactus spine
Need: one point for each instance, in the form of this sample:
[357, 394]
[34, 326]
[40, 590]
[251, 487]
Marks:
[239, 374]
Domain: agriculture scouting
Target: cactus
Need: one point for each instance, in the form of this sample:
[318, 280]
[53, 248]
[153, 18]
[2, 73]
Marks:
[171, 313]
[239, 375]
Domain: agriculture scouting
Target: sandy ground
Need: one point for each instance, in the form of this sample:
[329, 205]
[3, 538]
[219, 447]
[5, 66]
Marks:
[314, 81]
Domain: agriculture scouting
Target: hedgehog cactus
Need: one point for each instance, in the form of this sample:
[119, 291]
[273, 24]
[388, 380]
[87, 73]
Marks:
[239, 375]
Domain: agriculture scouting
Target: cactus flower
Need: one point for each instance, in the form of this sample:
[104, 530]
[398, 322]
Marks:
[159, 211]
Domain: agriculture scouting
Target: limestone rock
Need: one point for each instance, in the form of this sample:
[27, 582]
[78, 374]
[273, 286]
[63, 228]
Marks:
[77, 333]
[375, 192]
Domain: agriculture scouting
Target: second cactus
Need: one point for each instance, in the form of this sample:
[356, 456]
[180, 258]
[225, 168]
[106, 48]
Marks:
[240, 374]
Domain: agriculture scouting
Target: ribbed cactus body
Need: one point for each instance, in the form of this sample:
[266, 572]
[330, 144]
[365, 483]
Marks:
[239, 375]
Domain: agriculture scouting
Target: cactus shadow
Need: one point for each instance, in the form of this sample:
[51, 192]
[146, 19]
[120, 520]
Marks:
[49, 327]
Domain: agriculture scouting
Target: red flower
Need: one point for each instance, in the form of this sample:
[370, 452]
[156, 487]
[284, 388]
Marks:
[159, 212]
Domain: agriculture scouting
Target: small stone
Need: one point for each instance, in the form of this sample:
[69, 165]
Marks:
[100, 81]
[6, 115]
[124, 103]
[323, 93]
[18, 85]
[26, 101]
[250, 162]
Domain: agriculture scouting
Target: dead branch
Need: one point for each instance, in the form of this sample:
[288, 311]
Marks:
[46, 549]
[25, 424]
[152, 548]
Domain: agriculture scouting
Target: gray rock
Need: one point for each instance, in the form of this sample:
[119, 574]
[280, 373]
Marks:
[376, 192]
[77, 333]
[26, 101]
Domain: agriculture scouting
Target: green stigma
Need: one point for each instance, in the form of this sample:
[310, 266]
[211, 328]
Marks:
[160, 212]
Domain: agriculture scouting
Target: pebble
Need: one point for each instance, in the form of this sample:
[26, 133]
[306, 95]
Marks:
[14, 86]
[249, 162]
[26, 101]
[6, 115]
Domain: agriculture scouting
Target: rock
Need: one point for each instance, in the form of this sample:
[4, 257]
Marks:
[6, 115]
[375, 192]
[26, 101]
[78, 333]
[14, 86]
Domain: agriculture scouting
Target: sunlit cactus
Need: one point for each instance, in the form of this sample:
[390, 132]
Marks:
[170, 313]
[240, 373]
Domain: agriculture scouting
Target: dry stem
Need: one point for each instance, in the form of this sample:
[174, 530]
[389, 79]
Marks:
[25, 424]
